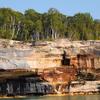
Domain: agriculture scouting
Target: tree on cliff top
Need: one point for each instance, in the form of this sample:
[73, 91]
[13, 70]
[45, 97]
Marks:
[50, 25]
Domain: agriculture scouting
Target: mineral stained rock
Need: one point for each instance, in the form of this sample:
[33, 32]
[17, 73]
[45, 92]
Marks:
[48, 54]
[47, 67]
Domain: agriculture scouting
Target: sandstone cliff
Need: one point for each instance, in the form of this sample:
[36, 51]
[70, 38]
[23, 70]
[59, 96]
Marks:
[48, 54]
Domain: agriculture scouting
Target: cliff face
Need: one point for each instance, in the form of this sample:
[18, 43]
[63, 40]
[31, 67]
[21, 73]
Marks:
[56, 63]
[47, 54]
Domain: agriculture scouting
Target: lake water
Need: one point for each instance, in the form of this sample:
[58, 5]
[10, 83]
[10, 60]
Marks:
[87, 97]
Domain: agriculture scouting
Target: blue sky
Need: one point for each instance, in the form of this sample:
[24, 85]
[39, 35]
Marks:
[68, 7]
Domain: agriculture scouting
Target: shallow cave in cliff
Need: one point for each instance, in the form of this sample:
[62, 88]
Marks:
[66, 62]
[65, 59]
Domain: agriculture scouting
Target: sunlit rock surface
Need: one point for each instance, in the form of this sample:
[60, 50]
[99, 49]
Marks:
[48, 54]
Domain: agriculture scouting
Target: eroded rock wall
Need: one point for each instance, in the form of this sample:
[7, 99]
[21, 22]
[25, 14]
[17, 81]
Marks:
[48, 54]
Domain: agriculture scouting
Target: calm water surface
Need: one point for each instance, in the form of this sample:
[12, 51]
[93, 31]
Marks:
[88, 97]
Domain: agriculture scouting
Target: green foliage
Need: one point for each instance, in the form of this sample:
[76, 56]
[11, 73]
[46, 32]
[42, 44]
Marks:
[32, 25]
